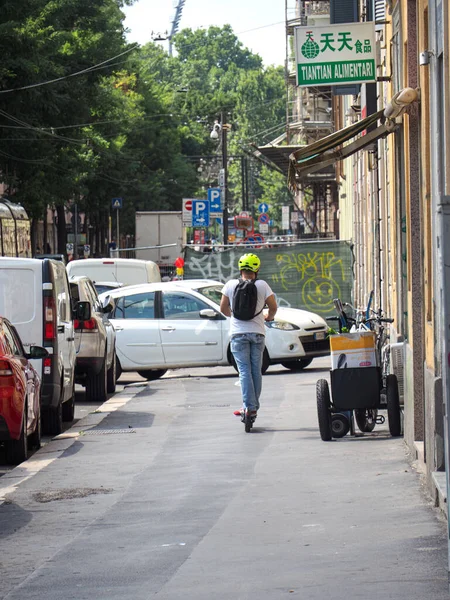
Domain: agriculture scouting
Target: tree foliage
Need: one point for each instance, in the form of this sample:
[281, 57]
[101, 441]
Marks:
[135, 122]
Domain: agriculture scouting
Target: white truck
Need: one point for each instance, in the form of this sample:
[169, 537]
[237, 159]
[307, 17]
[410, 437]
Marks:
[159, 228]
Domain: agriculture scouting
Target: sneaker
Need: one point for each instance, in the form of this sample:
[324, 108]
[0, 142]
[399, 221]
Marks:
[239, 413]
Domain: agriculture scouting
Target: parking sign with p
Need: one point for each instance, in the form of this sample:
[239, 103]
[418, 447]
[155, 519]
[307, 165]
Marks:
[200, 213]
[215, 200]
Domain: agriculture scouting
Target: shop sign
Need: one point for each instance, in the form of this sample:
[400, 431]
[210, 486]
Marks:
[335, 54]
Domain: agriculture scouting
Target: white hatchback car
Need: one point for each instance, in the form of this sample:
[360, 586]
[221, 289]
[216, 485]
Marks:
[178, 324]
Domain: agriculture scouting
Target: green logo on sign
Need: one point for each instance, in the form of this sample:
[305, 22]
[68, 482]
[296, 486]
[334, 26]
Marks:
[310, 49]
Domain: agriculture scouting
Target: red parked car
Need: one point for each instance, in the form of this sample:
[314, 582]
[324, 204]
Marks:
[20, 414]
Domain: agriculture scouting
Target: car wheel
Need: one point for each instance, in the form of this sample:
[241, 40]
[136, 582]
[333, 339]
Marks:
[112, 375]
[68, 408]
[152, 374]
[96, 385]
[297, 365]
[118, 369]
[55, 419]
[16, 451]
[34, 440]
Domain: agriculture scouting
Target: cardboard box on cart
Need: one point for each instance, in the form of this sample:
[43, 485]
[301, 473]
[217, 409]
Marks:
[353, 350]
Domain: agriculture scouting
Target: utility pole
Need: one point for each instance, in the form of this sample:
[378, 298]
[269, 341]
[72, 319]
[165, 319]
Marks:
[224, 130]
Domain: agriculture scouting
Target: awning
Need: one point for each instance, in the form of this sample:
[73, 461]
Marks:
[327, 151]
[279, 155]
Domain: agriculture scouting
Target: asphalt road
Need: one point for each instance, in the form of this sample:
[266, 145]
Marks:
[82, 409]
[163, 494]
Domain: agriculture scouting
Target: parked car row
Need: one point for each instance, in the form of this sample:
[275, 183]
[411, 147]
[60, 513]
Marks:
[59, 332]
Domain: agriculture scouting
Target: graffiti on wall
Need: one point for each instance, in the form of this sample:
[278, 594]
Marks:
[304, 275]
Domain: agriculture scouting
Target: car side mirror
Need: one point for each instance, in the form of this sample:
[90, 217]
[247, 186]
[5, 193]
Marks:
[208, 313]
[37, 352]
[108, 305]
[82, 311]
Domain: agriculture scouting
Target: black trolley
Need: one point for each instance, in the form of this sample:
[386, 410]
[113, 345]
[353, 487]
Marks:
[360, 387]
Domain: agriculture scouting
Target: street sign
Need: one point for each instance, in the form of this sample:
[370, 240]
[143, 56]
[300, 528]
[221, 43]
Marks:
[285, 217]
[264, 218]
[263, 207]
[215, 200]
[335, 54]
[222, 178]
[200, 213]
[117, 203]
[263, 228]
[187, 212]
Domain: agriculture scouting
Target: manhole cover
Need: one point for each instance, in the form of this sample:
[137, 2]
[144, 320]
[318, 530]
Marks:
[108, 431]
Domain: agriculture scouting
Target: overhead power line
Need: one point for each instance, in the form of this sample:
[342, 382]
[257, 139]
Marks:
[87, 70]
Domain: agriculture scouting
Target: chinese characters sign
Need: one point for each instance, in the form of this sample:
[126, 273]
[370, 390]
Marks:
[335, 54]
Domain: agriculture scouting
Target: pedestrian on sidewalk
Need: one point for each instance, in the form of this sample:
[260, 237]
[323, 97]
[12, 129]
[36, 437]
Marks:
[243, 300]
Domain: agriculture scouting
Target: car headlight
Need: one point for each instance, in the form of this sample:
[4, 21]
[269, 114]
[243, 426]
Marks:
[283, 325]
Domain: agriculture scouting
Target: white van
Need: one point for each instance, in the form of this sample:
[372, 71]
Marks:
[128, 271]
[35, 297]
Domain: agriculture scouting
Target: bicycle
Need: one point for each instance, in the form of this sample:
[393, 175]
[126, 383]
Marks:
[360, 382]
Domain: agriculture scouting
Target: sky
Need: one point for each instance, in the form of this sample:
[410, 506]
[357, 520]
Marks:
[259, 24]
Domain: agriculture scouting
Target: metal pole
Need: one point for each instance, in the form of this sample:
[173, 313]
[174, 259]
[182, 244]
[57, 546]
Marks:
[244, 205]
[225, 179]
[117, 230]
[76, 230]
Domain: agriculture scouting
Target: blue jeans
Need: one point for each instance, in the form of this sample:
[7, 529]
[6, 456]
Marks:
[248, 349]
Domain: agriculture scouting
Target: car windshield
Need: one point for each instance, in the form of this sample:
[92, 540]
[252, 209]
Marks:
[104, 288]
[213, 292]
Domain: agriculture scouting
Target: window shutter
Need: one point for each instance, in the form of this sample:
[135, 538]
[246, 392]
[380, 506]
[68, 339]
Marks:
[380, 10]
[343, 11]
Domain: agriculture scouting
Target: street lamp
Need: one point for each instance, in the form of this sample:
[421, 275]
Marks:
[220, 131]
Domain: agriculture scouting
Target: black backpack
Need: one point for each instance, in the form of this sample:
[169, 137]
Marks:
[245, 299]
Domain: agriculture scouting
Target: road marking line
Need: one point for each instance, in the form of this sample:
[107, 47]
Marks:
[40, 459]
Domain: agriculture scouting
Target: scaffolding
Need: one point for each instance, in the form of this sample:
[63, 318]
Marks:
[309, 118]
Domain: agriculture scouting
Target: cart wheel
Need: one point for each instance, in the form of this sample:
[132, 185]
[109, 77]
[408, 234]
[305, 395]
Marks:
[393, 406]
[366, 419]
[340, 425]
[323, 409]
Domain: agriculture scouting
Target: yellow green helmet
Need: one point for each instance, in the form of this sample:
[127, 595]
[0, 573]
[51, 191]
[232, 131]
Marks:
[249, 262]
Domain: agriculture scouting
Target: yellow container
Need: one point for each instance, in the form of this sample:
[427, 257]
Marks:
[352, 341]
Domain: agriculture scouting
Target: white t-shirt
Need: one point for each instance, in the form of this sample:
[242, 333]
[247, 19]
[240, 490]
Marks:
[255, 325]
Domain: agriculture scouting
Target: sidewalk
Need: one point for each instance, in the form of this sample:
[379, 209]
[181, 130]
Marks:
[168, 497]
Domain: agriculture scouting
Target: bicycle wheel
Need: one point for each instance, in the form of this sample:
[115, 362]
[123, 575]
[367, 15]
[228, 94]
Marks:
[366, 419]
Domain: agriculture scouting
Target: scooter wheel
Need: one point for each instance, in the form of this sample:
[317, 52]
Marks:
[340, 425]
[248, 422]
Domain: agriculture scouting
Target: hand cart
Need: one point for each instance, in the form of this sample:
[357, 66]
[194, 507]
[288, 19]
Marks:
[358, 388]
